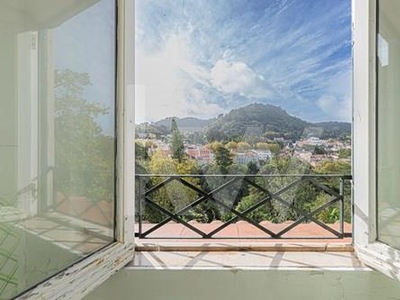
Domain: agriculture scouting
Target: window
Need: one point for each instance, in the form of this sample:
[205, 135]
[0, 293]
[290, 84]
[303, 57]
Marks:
[376, 195]
[27, 147]
[246, 105]
[59, 180]
[388, 168]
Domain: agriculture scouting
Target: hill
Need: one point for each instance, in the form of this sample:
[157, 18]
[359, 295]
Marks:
[335, 130]
[256, 120]
[185, 124]
[252, 123]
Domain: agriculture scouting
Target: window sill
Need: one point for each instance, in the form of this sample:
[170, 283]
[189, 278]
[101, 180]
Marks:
[78, 280]
[247, 260]
[335, 245]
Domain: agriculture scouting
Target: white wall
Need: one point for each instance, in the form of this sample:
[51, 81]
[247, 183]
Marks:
[246, 284]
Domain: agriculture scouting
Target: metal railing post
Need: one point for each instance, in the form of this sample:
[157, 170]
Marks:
[341, 206]
[140, 206]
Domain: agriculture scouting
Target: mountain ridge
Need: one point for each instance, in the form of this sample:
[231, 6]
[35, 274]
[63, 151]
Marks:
[253, 120]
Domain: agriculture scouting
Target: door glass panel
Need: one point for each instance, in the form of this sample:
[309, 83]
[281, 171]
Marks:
[388, 104]
[57, 140]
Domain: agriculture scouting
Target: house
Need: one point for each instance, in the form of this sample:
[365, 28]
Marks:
[243, 158]
[200, 153]
[263, 155]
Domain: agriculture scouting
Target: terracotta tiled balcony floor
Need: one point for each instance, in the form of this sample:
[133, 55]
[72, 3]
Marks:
[242, 235]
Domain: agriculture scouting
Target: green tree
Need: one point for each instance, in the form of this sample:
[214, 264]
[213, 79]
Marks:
[174, 195]
[344, 153]
[213, 135]
[279, 168]
[274, 148]
[232, 146]
[84, 155]
[252, 168]
[214, 145]
[141, 158]
[335, 167]
[223, 159]
[243, 146]
[177, 147]
[319, 150]
[262, 146]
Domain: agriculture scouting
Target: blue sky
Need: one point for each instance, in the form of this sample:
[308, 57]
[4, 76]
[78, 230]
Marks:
[202, 58]
[86, 44]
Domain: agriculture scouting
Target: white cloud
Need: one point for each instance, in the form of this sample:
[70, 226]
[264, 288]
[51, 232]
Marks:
[163, 88]
[238, 78]
[336, 102]
[337, 108]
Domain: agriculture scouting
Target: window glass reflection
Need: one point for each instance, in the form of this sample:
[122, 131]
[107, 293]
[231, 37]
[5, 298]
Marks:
[388, 144]
[57, 140]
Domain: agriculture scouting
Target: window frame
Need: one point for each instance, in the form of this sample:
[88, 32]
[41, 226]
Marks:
[96, 268]
[78, 280]
[369, 250]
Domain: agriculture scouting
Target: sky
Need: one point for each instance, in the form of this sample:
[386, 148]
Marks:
[85, 43]
[202, 58]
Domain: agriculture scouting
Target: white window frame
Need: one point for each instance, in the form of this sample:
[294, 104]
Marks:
[81, 278]
[373, 253]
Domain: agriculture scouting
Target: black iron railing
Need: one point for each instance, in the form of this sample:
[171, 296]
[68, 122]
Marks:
[260, 200]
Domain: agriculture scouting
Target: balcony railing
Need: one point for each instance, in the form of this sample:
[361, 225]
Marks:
[275, 206]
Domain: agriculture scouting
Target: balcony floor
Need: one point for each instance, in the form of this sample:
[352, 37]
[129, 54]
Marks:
[244, 236]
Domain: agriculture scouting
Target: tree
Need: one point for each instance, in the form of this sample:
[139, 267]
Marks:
[177, 147]
[223, 159]
[243, 146]
[141, 157]
[335, 167]
[214, 145]
[174, 195]
[213, 135]
[262, 146]
[84, 155]
[345, 153]
[274, 148]
[294, 197]
[232, 146]
[319, 150]
[252, 168]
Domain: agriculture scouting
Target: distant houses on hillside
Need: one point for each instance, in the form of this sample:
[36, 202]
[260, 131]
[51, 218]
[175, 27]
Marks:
[311, 149]
[202, 154]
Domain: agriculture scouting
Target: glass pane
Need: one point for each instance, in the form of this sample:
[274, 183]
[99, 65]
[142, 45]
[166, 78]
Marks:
[57, 136]
[231, 88]
[388, 143]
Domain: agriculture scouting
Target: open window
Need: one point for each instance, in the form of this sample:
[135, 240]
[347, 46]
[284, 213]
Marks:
[63, 134]
[376, 107]
[243, 120]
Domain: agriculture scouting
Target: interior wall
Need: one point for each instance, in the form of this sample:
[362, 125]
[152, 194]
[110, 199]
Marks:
[8, 111]
[246, 284]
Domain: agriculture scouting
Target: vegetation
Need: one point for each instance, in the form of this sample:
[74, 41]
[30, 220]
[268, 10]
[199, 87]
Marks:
[303, 197]
[174, 195]
[177, 147]
[244, 123]
[223, 159]
[340, 130]
[257, 126]
[84, 155]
